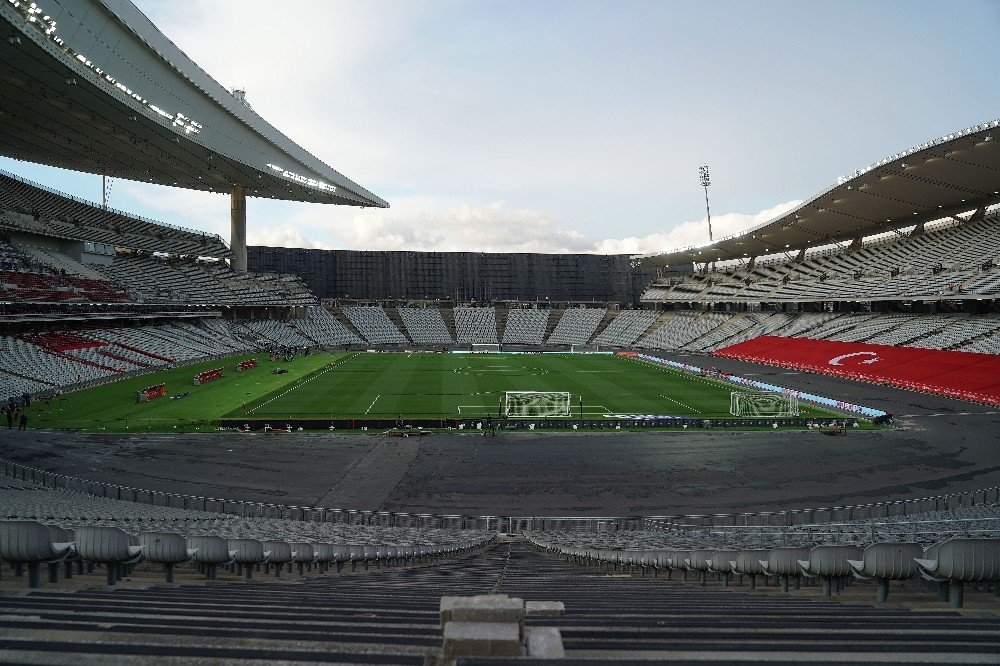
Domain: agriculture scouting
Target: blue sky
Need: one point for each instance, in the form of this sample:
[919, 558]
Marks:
[572, 126]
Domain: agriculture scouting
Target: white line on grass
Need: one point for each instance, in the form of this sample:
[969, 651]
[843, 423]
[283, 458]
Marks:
[681, 404]
[373, 403]
[299, 385]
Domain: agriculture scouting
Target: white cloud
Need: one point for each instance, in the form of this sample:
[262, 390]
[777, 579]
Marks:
[282, 236]
[692, 232]
[421, 224]
[487, 228]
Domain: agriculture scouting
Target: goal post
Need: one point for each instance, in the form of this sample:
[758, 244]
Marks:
[484, 348]
[537, 404]
[762, 403]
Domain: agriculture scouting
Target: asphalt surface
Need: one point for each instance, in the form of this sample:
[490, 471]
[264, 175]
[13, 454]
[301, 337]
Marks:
[940, 445]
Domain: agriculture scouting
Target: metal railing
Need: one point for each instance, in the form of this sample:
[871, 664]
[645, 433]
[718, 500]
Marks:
[830, 516]
[243, 508]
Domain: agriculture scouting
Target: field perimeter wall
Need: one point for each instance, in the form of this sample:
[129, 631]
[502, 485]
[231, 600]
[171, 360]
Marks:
[963, 375]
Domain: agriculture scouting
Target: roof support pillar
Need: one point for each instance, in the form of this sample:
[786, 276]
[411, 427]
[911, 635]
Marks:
[238, 225]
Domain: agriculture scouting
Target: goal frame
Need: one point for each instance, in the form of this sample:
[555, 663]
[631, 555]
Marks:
[566, 399]
[738, 400]
[484, 348]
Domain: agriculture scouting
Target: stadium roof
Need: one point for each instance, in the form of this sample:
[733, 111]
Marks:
[93, 85]
[955, 174]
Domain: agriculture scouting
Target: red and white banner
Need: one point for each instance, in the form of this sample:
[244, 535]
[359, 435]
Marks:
[957, 374]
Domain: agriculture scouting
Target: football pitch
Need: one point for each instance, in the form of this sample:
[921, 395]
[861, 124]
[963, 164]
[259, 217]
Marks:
[380, 386]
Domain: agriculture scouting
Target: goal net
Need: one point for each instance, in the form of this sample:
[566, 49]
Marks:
[762, 404]
[536, 404]
[484, 348]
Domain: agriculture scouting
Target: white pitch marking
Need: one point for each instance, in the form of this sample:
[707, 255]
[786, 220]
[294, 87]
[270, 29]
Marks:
[681, 404]
[373, 403]
[475, 407]
[295, 386]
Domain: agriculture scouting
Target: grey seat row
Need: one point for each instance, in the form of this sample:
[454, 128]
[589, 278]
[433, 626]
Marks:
[32, 544]
[951, 564]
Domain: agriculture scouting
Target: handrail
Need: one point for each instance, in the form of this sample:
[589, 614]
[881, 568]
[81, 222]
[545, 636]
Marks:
[249, 509]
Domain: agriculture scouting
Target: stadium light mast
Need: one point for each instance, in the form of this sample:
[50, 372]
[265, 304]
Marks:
[705, 182]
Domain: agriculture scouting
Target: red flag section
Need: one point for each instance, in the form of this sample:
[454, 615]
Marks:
[952, 373]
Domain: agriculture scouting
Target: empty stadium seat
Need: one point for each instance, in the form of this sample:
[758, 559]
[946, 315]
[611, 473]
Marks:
[249, 553]
[166, 548]
[109, 546]
[960, 561]
[830, 563]
[887, 561]
[29, 542]
[210, 551]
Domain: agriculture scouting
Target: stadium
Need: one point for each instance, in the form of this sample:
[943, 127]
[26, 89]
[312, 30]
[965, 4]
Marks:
[779, 445]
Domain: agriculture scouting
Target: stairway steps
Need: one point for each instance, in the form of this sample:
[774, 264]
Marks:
[115, 649]
[391, 616]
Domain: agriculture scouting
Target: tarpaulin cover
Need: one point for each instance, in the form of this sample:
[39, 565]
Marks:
[956, 374]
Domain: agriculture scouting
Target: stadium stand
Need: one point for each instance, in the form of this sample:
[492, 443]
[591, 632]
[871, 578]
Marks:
[60, 263]
[975, 334]
[73, 273]
[34, 208]
[72, 510]
[373, 323]
[425, 326]
[107, 350]
[476, 325]
[597, 585]
[324, 329]
[26, 359]
[951, 260]
[33, 274]
[169, 280]
[270, 333]
[799, 559]
[178, 341]
[525, 326]
[576, 326]
[626, 328]
[681, 329]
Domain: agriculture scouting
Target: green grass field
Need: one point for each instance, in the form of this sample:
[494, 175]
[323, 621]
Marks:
[380, 386]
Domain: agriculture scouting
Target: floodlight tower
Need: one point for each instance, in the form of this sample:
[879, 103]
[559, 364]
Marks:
[705, 182]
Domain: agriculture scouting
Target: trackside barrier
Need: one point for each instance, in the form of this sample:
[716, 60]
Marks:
[514, 524]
